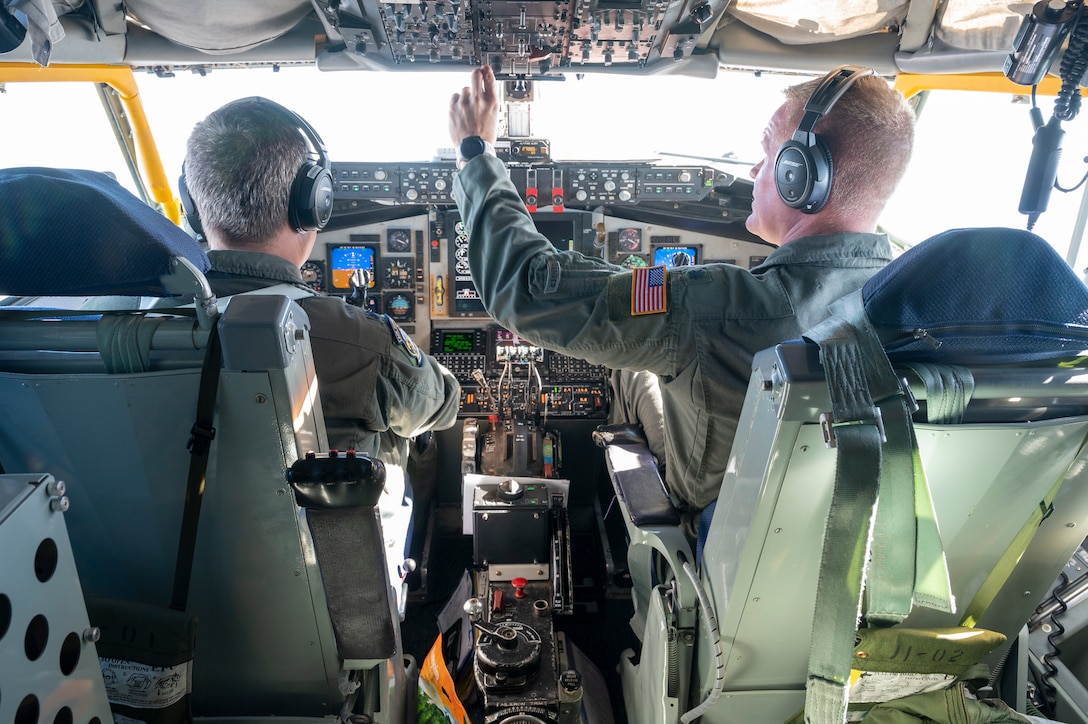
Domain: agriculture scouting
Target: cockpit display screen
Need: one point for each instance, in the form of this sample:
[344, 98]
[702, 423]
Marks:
[346, 259]
[457, 342]
[672, 256]
[564, 231]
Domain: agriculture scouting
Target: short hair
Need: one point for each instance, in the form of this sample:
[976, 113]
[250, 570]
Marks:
[240, 164]
[870, 135]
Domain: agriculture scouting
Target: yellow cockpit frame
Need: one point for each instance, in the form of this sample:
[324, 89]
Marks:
[121, 80]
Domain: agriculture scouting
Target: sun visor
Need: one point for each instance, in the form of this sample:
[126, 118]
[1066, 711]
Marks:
[979, 24]
[802, 22]
[218, 28]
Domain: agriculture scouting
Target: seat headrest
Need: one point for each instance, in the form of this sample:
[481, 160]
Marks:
[986, 295]
[77, 232]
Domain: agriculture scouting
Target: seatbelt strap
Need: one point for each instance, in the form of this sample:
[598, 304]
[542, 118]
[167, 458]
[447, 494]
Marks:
[294, 292]
[948, 390]
[870, 420]
[856, 430]
[200, 442]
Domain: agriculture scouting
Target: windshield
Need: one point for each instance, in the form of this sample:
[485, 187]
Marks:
[971, 153]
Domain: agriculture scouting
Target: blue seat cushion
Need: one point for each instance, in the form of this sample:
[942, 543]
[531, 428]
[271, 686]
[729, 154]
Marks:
[979, 296]
[77, 232]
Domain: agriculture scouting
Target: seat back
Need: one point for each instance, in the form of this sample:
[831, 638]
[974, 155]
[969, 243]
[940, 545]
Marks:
[106, 402]
[761, 560]
[1014, 444]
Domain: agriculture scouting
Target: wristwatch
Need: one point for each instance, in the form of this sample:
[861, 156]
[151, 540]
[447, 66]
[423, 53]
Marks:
[471, 147]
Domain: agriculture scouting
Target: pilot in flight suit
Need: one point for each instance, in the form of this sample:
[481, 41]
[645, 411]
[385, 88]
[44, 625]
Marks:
[244, 175]
[696, 327]
[377, 388]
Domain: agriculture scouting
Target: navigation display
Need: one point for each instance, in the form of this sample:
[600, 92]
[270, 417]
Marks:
[672, 256]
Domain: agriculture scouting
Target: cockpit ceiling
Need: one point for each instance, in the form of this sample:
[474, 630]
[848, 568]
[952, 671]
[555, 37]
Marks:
[523, 37]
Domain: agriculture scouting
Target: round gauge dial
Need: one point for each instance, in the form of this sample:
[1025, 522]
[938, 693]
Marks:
[629, 240]
[461, 253]
[398, 240]
[633, 262]
[313, 274]
[401, 307]
[399, 274]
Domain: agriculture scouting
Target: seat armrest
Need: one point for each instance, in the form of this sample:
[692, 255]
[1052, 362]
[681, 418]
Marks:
[638, 484]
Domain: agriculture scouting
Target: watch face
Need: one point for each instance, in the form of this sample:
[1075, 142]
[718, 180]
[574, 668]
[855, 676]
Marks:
[472, 147]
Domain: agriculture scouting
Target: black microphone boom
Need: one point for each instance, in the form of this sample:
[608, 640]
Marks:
[1042, 169]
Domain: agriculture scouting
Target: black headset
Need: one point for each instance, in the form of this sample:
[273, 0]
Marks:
[803, 167]
[310, 203]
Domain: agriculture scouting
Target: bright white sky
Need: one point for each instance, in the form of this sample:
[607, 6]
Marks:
[968, 170]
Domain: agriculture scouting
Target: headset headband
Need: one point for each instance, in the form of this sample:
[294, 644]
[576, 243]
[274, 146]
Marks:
[317, 147]
[830, 90]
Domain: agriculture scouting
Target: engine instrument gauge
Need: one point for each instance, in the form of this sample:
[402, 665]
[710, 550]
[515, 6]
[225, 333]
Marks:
[629, 240]
[399, 274]
[313, 274]
[634, 261]
[398, 241]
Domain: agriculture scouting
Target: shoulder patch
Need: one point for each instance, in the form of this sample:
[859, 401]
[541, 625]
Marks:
[648, 290]
[405, 342]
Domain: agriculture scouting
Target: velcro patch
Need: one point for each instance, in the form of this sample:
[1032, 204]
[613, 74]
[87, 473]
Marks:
[648, 290]
[405, 342]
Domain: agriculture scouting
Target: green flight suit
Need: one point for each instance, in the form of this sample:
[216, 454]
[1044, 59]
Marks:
[377, 388]
[717, 316]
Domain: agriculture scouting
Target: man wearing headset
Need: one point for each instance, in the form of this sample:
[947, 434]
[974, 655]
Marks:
[696, 328]
[257, 183]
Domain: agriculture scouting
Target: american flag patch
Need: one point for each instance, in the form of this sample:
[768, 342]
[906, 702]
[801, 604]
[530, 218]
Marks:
[648, 290]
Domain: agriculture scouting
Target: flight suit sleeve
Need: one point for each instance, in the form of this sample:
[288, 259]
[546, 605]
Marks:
[418, 392]
[561, 300]
[371, 371]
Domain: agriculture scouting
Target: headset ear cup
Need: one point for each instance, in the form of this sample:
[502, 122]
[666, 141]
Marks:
[187, 205]
[821, 179]
[310, 205]
[793, 173]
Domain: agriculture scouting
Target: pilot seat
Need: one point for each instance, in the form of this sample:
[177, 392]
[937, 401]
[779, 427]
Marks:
[906, 485]
[194, 453]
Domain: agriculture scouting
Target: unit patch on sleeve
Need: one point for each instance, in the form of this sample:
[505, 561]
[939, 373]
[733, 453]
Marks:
[406, 343]
[648, 290]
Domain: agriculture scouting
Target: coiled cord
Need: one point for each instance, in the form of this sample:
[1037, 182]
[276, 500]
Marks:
[1054, 651]
[1073, 66]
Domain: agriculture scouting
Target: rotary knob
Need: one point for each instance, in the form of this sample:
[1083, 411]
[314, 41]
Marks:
[511, 489]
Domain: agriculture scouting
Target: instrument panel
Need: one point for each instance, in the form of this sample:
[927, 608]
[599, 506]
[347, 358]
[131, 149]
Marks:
[542, 183]
[516, 39]
[397, 245]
